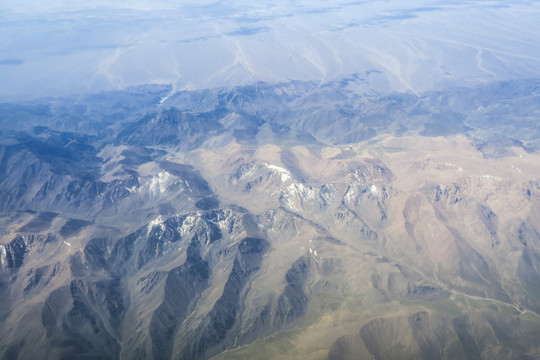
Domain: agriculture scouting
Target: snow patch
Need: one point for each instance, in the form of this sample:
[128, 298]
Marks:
[490, 178]
[157, 184]
[375, 191]
[285, 174]
[296, 193]
[351, 194]
[157, 222]
[3, 255]
[187, 225]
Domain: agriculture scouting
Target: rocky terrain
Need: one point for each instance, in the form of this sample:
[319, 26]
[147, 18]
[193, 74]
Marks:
[272, 221]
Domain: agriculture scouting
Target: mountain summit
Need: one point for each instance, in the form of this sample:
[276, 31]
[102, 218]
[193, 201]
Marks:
[272, 221]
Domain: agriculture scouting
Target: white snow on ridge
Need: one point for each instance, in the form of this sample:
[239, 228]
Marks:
[3, 255]
[285, 174]
[157, 185]
[158, 182]
[375, 190]
[299, 189]
[297, 194]
[491, 178]
[157, 221]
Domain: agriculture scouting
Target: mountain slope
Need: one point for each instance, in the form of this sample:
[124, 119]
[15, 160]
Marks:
[275, 221]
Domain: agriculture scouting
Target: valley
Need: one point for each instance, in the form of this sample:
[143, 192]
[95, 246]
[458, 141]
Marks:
[272, 221]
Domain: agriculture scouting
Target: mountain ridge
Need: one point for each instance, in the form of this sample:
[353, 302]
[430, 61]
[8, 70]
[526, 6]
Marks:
[379, 226]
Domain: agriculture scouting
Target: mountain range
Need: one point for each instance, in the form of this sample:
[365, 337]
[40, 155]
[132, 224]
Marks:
[294, 220]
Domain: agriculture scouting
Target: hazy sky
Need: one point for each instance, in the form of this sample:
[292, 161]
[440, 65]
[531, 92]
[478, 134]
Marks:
[65, 47]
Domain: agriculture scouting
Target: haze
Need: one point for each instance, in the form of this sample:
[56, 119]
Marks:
[63, 48]
[269, 180]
